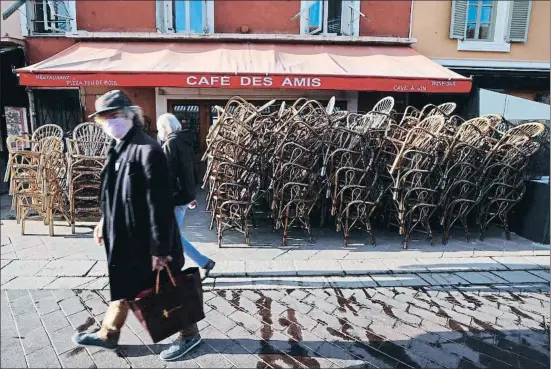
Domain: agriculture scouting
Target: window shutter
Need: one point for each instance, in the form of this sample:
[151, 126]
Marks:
[164, 16]
[458, 21]
[350, 18]
[519, 20]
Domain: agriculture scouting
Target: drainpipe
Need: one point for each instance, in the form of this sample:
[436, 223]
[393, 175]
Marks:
[411, 18]
[32, 112]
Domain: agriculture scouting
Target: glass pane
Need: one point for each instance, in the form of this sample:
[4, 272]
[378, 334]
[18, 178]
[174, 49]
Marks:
[334, 15]
[180, 15]
[486, 14]
[487, 2]
[471, 16]
[196, 13]
[473, 2]
[471, 27]
[188, 115]
[314, 15]
[484, 32]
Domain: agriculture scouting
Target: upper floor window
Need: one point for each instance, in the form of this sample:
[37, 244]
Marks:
[185, 16]
[489, 25]
[330, 17]
[47, 17]
[480, 19]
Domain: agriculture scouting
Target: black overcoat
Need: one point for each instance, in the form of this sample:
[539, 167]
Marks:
[141, 223]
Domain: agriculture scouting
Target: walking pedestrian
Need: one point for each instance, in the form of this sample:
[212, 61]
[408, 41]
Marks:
[137, 227]
[177, 143]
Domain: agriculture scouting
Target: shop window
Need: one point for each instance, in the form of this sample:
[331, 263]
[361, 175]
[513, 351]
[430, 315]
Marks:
[185, 16]
[48, 17]
[489, 25]
[330, 17]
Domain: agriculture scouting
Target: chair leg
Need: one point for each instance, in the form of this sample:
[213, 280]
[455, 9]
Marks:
[371, 236]
[220, 230]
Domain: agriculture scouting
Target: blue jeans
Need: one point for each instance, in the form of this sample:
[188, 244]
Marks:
[189, 250]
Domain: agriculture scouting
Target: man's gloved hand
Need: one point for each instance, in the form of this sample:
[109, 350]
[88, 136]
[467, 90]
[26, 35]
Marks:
[160, 262]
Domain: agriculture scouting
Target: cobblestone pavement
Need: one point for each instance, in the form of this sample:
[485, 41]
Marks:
[402, 327]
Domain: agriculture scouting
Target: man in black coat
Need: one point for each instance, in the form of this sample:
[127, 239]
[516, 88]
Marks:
[138, 225]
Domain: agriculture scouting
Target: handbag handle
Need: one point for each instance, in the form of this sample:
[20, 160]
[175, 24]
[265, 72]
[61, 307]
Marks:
[169, 275]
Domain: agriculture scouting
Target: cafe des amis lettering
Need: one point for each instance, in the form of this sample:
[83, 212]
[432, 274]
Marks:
[252, 81]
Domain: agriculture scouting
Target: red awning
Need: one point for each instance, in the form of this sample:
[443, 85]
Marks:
[228, 65]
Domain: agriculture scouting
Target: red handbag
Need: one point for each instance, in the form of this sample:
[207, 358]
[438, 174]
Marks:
[168, 309]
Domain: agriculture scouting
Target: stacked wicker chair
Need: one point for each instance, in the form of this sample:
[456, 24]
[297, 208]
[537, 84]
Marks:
[501, 184]
[86, 154]
[233, 166]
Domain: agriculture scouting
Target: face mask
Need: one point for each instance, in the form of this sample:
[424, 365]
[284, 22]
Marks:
[117, 127]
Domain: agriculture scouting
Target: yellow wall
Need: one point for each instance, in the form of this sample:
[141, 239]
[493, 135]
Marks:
[431, 27]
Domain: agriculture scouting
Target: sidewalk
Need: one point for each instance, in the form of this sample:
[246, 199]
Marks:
[66, 261]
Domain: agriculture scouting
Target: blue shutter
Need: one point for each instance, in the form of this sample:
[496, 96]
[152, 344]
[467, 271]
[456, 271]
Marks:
[196, 16]
[315, 16]
[180, 15]
[458, 23]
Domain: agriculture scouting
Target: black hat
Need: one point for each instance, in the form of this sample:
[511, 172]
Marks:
[111, 101]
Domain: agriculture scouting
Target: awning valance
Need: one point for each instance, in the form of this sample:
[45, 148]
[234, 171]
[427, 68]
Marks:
[229, 65]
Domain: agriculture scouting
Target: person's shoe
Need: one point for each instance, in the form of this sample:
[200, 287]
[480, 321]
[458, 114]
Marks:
[179, 348]
[92, 339]
[208, 267]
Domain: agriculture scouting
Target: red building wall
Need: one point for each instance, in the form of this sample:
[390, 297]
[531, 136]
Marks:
[260, 16]
[40, 48]
[116, 16]
[385, 18]
[143, 97]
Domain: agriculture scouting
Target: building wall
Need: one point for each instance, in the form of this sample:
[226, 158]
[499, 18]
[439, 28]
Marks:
[40, 48]
[143, 97]
[386, 18]
[10, 27]
[431, 26]
[116, 16]
[261, 16]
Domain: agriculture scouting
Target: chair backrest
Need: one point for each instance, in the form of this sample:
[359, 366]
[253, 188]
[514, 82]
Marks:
[92, 137]
[47, 130]
[447, 108]
[384, 105]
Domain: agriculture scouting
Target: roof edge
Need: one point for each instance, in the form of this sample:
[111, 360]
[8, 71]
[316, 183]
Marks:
[238, 37]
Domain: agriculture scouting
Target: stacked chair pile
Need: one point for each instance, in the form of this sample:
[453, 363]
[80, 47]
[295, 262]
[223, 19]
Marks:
[414, 169]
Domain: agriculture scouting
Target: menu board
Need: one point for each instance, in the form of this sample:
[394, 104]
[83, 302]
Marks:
[16, 122]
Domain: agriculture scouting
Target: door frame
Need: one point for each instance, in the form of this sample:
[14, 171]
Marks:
[204, 116]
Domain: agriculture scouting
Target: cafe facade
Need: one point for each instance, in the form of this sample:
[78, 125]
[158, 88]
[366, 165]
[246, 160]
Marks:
[186, 57]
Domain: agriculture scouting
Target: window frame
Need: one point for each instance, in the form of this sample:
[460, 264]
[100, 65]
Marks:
[352, 15]
[499, 40]
[27, 19]
[166, 17]
[477, 22]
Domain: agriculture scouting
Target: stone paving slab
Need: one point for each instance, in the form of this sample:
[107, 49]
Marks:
[383, 327]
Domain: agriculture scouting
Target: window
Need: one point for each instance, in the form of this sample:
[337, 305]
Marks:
[185, 16]
[480, 20]
[489, 25]
[50, 17]
[330, 17]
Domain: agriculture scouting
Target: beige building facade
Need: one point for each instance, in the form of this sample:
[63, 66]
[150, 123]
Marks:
[503, 45]
[11, 27]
